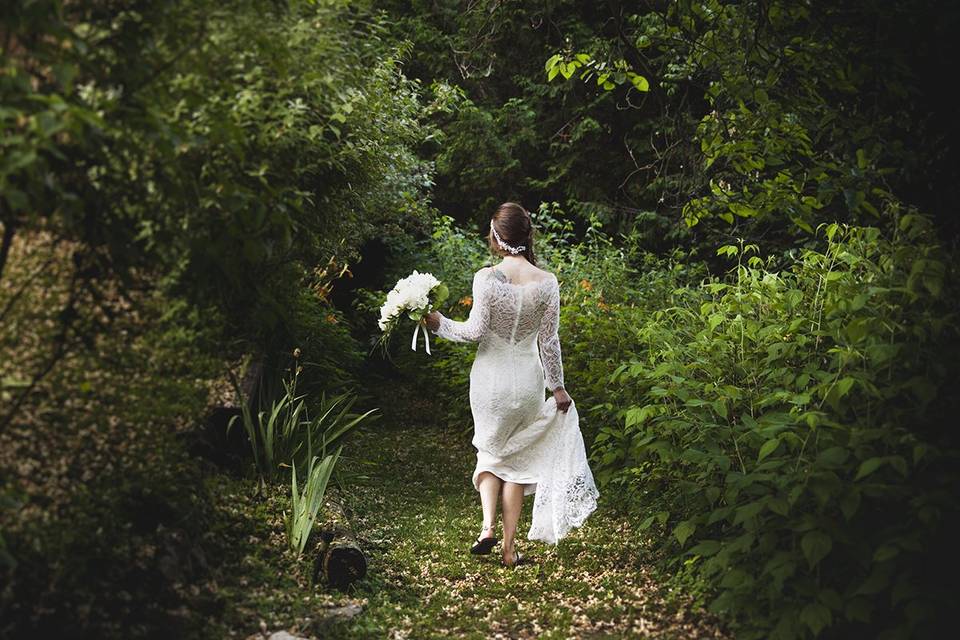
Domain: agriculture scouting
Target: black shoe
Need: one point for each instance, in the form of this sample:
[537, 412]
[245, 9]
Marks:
[483, 546]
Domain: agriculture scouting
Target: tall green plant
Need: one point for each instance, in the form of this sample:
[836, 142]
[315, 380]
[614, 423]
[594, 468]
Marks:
[306, 502]
[283, 434]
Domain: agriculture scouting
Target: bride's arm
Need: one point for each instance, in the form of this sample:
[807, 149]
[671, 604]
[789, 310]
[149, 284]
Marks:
[474, 328]
[549, 340]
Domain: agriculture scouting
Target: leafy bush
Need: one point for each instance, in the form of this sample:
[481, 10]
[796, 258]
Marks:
[791, 424]
[218, 152]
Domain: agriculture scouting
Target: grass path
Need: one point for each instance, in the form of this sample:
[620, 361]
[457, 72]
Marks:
[411, 502]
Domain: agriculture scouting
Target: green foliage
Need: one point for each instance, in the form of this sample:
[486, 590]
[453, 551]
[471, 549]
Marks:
[605, 286]
[306, 504]
[452, 255]
[608, 75]
[770, 117]
[783, 428]
[332, 354]
[791, 425]
[224, 148]
[285, 433]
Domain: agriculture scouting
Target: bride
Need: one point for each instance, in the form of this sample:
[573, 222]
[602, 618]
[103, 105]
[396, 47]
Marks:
[525, 444]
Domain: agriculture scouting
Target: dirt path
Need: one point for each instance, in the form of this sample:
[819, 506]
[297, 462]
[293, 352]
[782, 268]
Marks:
[418, 513]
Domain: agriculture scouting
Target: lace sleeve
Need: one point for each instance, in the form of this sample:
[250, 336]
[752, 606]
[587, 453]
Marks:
[475, 327]
[549, 339]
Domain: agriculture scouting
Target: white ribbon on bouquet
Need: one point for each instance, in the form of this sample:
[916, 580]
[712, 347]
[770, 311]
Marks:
[426, 339]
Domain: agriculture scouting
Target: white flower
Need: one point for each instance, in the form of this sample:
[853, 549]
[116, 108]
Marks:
[409, 294]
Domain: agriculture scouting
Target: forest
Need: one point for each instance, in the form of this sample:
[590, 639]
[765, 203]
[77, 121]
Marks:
[748, 207]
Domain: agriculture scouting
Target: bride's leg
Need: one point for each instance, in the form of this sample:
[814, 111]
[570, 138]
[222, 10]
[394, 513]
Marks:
[489, 485]
[512, 505]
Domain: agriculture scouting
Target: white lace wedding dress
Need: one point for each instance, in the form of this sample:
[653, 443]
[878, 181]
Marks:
[519, 436]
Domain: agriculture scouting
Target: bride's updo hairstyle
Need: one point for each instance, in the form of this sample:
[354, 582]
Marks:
[515, 226]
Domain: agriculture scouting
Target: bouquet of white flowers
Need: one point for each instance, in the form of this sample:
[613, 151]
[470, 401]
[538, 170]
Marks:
[416, 296]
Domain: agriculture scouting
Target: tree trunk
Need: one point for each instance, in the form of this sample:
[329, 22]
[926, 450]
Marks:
[213, 442]
[251, 380]
[8, 231]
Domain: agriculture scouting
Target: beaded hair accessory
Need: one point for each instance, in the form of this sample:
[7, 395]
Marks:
[504, 245]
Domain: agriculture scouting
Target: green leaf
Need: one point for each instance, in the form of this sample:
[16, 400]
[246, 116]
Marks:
[735, 578]
[833, 457]
[640, 83]
[440, 292]
[639, 415]
[840, 389]
[816, 545]
[768, 447]
[748, 511]
[816, 616]
[845, 385]
[684, 530]
[885, 552]
[706, 548]
[720, 407]
[899, 464]
[778, 505]
[711, 494]
[868, 466]
[850, 502]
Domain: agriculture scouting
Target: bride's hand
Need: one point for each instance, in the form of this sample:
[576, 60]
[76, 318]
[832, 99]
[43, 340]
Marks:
[432, 320]
[563, 399]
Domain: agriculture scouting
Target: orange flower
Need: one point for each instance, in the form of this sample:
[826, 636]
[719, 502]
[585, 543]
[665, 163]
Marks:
[586, 284]
[331, 318]
[466, 301]
[603, 305]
